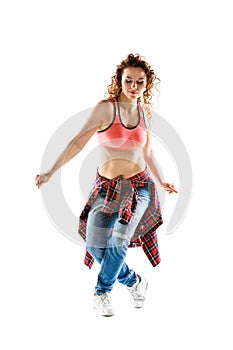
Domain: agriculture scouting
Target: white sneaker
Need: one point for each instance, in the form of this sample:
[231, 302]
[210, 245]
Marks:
[138, 292]
[103, 304]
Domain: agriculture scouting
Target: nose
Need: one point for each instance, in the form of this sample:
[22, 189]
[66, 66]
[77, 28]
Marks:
[134, 85]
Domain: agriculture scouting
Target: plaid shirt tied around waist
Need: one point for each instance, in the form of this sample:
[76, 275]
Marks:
[145, 234]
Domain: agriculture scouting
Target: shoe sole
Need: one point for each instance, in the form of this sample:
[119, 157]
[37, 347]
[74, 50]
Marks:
[101, 314]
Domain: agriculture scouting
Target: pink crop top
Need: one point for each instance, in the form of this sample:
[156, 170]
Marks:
[118, 136]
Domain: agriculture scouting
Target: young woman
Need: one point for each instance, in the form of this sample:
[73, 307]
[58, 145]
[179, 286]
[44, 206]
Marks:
[123, 208]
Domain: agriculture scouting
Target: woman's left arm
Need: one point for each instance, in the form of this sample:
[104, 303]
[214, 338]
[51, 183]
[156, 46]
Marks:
[149, 157]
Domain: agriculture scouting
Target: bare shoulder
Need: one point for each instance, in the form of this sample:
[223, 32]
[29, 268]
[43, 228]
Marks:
[151, 117]
[105, 105]
[104, 111]
[101, 114]
[147, 115]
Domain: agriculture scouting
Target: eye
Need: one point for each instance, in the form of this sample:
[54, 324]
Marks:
[127, 80]
[140, 82]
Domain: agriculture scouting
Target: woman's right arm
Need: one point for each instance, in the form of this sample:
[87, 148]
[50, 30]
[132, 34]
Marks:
[98, 117]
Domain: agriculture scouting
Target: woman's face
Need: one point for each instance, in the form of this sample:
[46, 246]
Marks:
[133, 82]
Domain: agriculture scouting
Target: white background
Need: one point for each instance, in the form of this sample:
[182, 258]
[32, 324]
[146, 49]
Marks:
[56, 60]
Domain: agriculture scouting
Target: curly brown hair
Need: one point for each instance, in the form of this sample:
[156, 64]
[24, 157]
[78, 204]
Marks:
[134, 60]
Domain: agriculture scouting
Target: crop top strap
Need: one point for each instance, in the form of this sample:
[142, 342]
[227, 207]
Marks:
[142, 123]
[116, 110]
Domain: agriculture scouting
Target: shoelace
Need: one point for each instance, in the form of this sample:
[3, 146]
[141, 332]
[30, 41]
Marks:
[105, 299]
[135, 293]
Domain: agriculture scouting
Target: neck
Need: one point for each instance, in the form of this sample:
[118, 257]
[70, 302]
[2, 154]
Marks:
[127, 104]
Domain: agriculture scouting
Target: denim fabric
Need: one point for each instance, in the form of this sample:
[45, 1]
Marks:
[107, 240]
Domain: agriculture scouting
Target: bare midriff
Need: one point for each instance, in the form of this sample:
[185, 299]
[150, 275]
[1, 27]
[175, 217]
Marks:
[121, 163]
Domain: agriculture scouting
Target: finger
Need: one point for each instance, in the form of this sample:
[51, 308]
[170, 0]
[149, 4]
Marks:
[172, 188]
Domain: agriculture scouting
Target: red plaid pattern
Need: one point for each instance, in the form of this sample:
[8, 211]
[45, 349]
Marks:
[145, 234]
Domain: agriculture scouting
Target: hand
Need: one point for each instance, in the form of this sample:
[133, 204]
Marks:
[169, 187]
[41, 179]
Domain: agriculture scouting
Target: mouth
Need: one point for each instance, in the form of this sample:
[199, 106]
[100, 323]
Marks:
[133, 92]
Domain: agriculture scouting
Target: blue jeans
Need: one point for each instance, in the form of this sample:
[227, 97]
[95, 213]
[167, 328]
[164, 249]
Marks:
[107, 240]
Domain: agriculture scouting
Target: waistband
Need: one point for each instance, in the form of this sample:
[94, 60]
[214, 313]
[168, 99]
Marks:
[139, 177]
